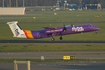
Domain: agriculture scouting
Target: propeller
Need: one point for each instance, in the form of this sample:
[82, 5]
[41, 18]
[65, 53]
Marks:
[64, 28]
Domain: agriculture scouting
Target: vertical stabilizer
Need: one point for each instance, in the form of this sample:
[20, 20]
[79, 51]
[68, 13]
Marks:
[16, 30]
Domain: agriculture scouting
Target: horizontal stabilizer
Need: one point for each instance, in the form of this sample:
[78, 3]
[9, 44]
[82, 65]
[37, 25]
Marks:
[13, 22]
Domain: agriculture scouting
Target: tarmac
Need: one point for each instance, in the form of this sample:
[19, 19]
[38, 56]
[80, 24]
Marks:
[56, 66]
[54, 54]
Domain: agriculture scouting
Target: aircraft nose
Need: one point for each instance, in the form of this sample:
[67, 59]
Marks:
[97, 28]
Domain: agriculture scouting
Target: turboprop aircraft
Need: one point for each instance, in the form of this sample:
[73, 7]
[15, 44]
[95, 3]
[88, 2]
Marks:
[49, 32]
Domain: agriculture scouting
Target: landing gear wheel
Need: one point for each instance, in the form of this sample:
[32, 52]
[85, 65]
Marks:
[61, 38]
[52, 39]
[96, 32]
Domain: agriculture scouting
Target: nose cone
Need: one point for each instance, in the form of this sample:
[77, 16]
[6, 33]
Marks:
[96, 28]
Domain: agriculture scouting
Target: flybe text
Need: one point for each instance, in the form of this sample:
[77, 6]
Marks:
[77, 29]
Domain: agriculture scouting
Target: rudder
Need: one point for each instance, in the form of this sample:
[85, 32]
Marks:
[16, 30]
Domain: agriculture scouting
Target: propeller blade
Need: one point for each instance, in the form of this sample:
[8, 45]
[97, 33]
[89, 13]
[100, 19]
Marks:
[64, 29]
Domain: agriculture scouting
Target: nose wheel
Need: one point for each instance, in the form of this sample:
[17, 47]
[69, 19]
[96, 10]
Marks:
[96, 32]
[60, 38]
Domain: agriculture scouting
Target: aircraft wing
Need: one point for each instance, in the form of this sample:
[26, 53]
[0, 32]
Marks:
[48, 28]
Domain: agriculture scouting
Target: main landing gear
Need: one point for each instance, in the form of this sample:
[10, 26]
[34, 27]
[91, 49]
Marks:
[52, 39]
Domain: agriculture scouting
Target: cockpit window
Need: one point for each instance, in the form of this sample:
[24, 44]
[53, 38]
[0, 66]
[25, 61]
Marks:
[90, 25]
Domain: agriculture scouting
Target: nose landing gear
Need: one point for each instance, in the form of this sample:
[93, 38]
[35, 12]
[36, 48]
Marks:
[60, 38]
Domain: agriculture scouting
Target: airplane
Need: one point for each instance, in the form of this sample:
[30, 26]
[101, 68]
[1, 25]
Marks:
[49, 32]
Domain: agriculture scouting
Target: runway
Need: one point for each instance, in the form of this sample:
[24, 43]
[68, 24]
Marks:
[54, 54]
[49, 42]
[56, 66]
[46, 22]
[1, 18]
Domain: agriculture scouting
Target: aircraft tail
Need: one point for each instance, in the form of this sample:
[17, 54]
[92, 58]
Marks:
[16, 30]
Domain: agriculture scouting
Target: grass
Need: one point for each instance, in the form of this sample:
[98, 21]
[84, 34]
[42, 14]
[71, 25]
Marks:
[57, 47]
[53, 60]
[62, 16]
